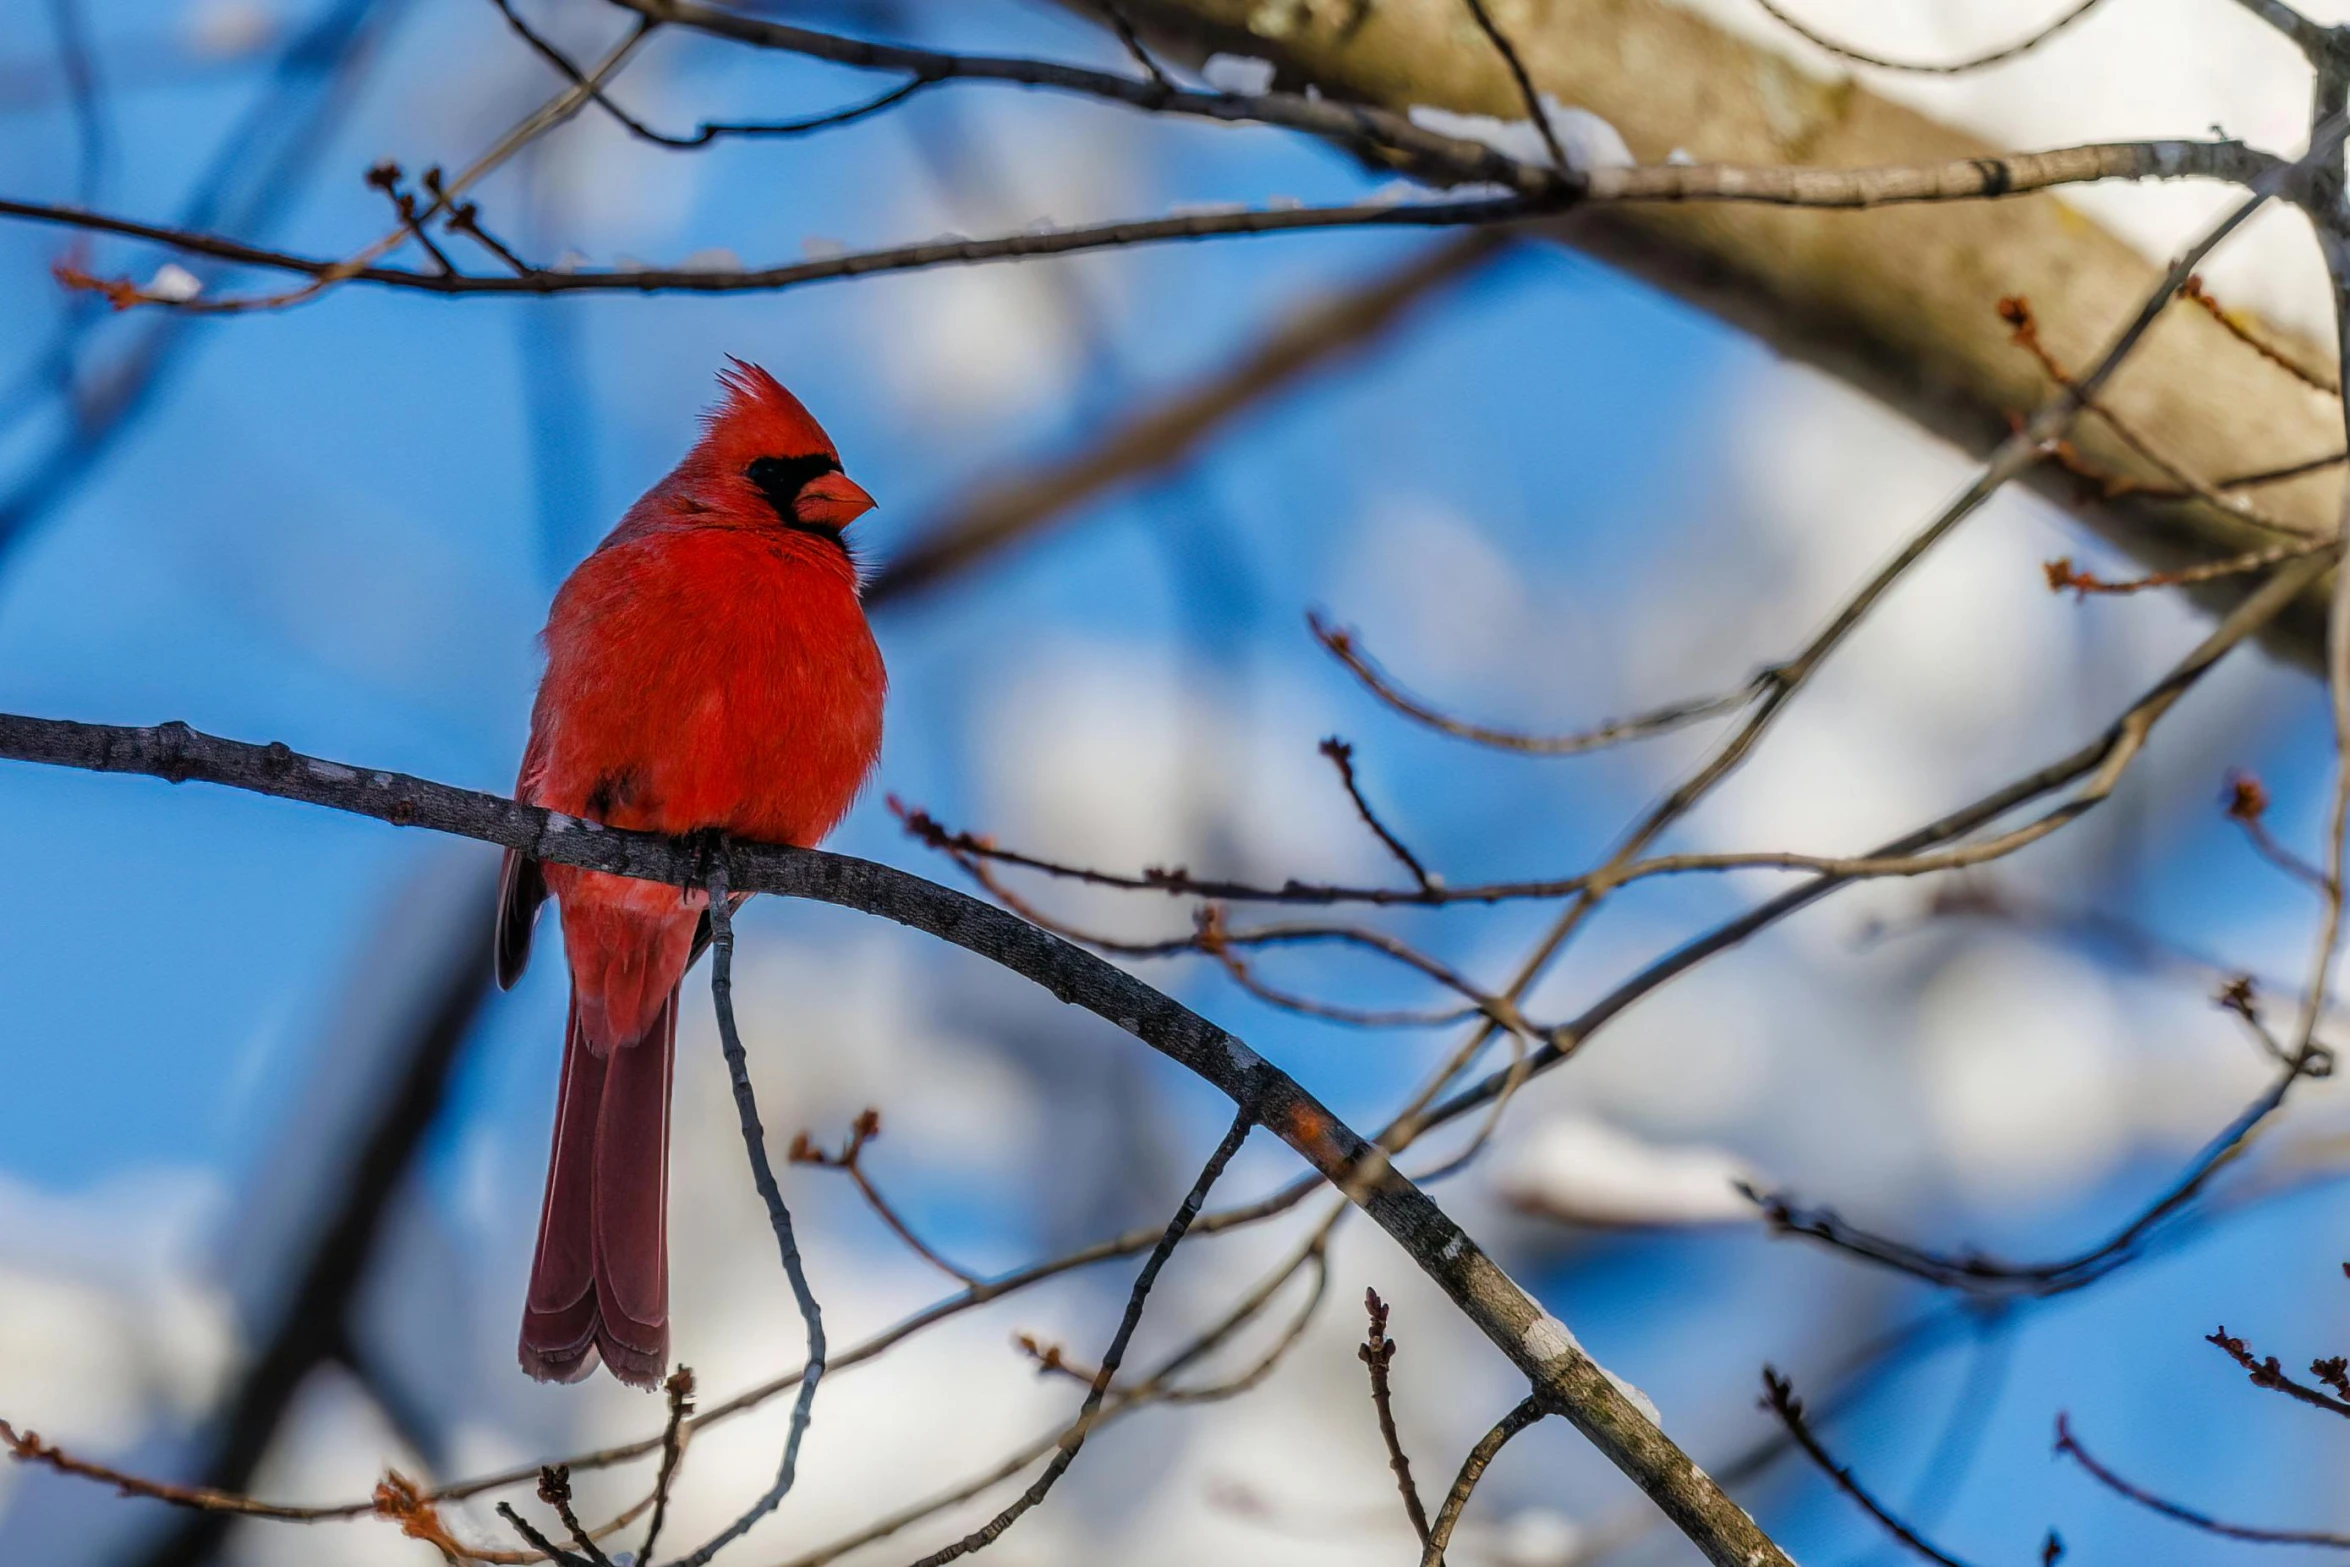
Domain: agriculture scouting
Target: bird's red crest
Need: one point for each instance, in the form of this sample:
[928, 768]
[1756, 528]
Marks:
[758, 418]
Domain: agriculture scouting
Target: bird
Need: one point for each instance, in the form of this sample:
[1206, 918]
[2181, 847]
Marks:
[708, 668]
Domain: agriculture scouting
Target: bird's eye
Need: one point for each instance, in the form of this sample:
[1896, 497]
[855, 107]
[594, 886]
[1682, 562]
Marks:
[781, 479]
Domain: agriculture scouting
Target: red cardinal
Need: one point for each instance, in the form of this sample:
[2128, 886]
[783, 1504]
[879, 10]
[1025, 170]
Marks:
[709, 666]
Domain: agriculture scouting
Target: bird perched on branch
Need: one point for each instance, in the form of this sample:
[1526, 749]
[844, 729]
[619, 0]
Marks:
[708, 667]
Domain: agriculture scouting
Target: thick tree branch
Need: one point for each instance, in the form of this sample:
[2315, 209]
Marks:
[1897, 303]
[1535, 1342]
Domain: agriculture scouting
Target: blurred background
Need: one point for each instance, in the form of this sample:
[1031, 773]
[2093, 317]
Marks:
[270, 1159]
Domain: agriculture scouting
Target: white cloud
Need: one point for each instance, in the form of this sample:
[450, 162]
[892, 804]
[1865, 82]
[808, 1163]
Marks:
[105, 1324]
[2025, 1075]
[1099, 752]
[1434, 595]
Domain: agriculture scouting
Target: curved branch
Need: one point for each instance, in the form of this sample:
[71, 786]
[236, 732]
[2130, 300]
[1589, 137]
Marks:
[1534, 1341]
[1897, 305]
[1976, 62]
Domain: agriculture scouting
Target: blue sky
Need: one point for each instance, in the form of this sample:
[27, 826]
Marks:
[339, 525]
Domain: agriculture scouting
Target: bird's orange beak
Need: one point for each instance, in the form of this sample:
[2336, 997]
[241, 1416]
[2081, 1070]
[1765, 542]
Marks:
[832, 500]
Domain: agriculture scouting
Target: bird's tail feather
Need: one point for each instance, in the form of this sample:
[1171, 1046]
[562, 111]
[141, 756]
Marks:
[599, 1282]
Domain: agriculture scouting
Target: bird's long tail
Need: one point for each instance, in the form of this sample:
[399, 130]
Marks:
[599, 1284]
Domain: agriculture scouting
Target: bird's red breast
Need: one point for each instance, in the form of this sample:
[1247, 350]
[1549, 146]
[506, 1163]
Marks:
[709, 666]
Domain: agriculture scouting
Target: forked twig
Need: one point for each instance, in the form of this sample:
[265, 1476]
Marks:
[1074, 1438]
[850, 1161]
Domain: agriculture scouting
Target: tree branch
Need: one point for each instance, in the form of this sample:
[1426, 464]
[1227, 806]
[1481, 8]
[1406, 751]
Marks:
[1473, 1467]
[1534, 1341]
[1972, 179]
[1896, 304]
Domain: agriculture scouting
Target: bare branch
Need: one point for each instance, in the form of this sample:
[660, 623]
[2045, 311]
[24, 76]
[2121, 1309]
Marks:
[2243, 333]
[2004, 52]
[2062, 577]
[1345, 644]
[1473, 1469]
[2069, 1446]
[1342, 757]
[2266, 1372]
[680, 1390]
[1559, 1369]
[717, 879]
[1963, 180]
[1979, 1274]
[1377, 1352]
[710, 131]
[1532, 99]
[1779, 1398]
[555, 1491]
[2017, 313]
[850, 1161]
[988, 1533]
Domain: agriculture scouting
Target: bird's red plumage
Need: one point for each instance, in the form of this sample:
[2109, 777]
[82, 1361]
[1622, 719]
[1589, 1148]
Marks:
[709, 666]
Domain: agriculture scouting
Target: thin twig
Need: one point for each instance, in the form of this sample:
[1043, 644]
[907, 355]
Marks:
[1342, 757]
[2070, 1446]
[386, 178]
[1124, 28]
[680, 1388]
[1345, 645]
[465, 218]
[2247, 807]
[850, 1161]
[1779, 1398]
[2243, 333]
[2016, 311]
[2265, 1371]
[710, 131]
[1473, 1469]
[1527, 94]
[2064, 578]
[1974, 1272]
[28, 1447]
[1074, 1439]
[718, 884]
[539, 1542]
[555, 1491]
[2004, 52]
[1377, 1352]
